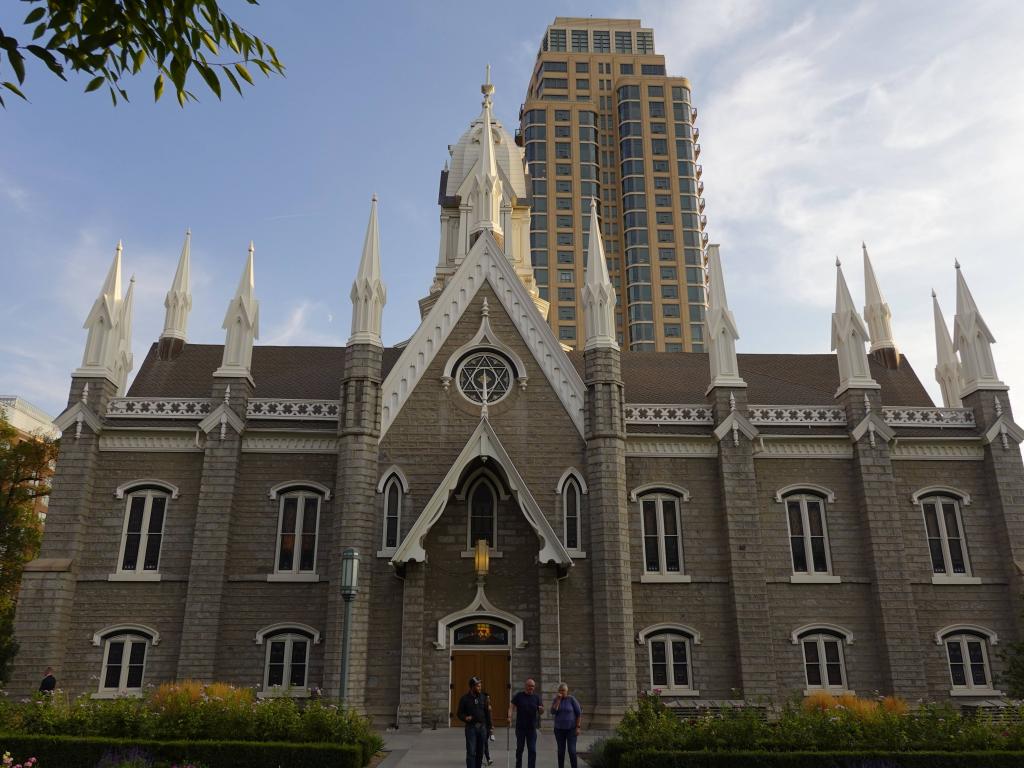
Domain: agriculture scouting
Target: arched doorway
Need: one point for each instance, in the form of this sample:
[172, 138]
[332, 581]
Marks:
[481, 646]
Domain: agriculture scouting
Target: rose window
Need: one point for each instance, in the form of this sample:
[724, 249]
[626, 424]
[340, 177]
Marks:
[485, 378]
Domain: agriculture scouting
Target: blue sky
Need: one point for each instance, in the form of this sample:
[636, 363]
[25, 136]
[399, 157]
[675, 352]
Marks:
[821, 125]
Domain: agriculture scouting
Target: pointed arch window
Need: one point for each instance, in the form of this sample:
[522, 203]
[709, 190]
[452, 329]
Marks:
[483, 514]
[571, 505]
[393, 498]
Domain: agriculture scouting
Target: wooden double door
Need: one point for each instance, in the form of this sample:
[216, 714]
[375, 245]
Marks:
[491, 666]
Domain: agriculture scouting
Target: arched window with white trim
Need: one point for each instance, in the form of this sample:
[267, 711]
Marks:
[287, 660]
[124, 662]
[572, 518]
[393, 498]
[967, 654]
[670, 660]
[824, 661]
[483, 514]
[142, 531]
[662, 533]
[944, 527]
[808, 533]
[297, 531]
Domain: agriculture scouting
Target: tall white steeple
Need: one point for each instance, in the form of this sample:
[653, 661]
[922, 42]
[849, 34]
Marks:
[102, 343]
[179, 298]
[487, 192]
[947, 368]
[876, 309]
[722, 331]
[125, 361]
[973, 340]
[598, 292]
[368, 293]
[848, 338]
[242, 323]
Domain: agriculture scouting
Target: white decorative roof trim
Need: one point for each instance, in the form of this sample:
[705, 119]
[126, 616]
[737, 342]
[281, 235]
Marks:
[150, 442]
[847, 635]
[288, 443]
[291, 409]
[654, 629]
[945, 490]
[159, 407]
[485, 338]
[284, 626]
[483, 443]
[640, 445]
[932, 450]
[640, 490]
[485, 262]
[781, 494]
[288, 484]
[975, 629]
[576, 475]
[482, 607]
[138, 629]
[393, 471]
[120, 491]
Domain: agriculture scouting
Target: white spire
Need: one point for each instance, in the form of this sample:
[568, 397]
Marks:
[179, 298]
[487, 192]
[368, 293]
[973, 340]
[124, 361]
[242, 323]
[848, 338]
[722, 331]
[876, 310]
[598, 292]
[947, 368]
[101, 345]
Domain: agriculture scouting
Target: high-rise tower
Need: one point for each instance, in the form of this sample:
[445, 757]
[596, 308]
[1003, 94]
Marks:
[602, 119]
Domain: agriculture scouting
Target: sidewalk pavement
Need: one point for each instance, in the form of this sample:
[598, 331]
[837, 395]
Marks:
[446, 747]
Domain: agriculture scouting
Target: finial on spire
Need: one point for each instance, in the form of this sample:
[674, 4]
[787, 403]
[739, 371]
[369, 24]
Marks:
[956, 263]
[487, 88]
[933, 293]
[178, 301]
[722, 330]
[838, 262]
[598, 292]
[849, 335]
[878, 316]
[947, 368]
[973, 340]
[103, 342]
[242, 323]
[368, 294]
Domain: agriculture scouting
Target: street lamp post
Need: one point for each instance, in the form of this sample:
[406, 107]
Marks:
[349, 590]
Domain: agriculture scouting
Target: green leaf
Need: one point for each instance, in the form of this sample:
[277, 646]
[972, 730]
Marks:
[233, 80]
[95, 83]
[158, 87]
[113, 96]
[17, 64]
[140, 59]
[240, 68]
[35, 15]
[210, 77]
[210, 43]
[181, 97]
[13, 89]
[40, 31]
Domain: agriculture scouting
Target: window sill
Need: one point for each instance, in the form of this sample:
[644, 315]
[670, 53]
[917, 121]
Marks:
[284, 693]
[577, 554]
[387, 552]
[134, 576]
[675, 692]
[665, 578]
[955, 580]
[116, 695]
[831, 691]
[814, 578]
[975, 692]
[306, 578]
[469, 554]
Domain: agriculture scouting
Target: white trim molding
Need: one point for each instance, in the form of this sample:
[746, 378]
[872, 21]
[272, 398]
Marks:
[150, 441]
[576, 475]
[287, 485]
[820, 626]
[486, 340]
[131, 629]
[672, 488]
[655, 629]
[395, 470]
[289, 443]
[639, 445]
[482, 607]
[940, 490]
[815, 578]
[814, 488]
[970, 629]
[787, 447]
[486, 262]
[930, 449]
[148, 482]
[284, 626]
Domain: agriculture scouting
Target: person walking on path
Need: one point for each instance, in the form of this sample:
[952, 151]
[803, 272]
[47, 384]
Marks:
[528, 709]
[474, 711]
[568, 718]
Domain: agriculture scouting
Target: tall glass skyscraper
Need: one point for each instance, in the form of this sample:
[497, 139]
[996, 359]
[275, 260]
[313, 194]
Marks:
[602, 119]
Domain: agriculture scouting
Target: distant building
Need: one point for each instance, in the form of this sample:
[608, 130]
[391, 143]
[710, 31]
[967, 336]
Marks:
[27, 418]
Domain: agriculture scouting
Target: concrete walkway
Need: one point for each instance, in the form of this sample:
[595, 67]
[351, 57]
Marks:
[447, 747]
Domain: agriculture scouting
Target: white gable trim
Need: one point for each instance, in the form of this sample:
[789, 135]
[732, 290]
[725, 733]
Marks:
[484, 443]
[481, 607]
[485, 262]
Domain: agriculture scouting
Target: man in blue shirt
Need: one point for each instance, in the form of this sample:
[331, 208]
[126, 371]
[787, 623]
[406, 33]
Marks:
[528, 709]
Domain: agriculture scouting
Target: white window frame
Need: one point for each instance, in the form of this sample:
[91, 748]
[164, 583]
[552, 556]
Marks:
[948, 576]
[821, 636]
[662, 575]
[963, 637]
[573, 483]
[810, 576]
[141, 574]
[496, 496]
[295, 573]
[129, 639]
[289, 636]
[667, 636]
[393, 485]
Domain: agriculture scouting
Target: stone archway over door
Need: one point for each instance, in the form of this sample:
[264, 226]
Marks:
[491, 666]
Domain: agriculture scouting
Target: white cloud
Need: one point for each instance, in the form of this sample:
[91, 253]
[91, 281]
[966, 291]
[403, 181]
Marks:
[304, 325]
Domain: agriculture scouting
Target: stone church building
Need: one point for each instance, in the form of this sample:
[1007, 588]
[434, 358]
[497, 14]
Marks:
[706, 526]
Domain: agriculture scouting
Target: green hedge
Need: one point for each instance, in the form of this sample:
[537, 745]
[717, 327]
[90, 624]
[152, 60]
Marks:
[664, 759]
[85, 752]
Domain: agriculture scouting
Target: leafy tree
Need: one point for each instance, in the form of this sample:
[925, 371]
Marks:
[25, 466]
[113, 39]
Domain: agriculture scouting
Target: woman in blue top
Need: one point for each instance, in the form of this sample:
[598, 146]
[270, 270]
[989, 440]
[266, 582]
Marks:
[568, 717]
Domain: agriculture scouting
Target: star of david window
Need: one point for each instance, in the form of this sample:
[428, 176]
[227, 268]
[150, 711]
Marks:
[485, 378]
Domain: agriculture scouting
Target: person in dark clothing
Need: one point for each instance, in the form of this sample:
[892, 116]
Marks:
[49, 682]
[568, 718]
[475, 712]
[528, 709]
